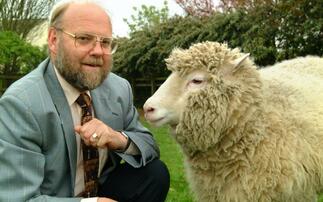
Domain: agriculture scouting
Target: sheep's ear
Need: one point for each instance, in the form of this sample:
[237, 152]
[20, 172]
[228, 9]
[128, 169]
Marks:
[237, 62]
[231, 67]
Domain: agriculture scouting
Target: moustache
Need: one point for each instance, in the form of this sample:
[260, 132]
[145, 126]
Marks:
[93, 61]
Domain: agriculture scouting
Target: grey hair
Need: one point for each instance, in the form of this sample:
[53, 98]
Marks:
[60, 7]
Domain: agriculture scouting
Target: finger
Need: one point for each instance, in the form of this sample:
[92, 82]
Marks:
[80, 131]
[102, 142]
[94, 138]
[91, 127]
[87, 142]
[77, 128]
[100, 131]
[104, 137]
[87, 130]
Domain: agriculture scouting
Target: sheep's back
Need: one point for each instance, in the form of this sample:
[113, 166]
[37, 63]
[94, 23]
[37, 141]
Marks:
[300, 80]
[294, 88]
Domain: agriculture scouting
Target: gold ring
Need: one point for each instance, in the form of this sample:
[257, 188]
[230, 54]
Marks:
[94, 137]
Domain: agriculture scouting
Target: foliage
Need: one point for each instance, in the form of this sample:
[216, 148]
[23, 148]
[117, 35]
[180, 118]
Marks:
[16, 55]
[147, 17]
[301, 29]
[197, 8]
[143, 55]
[228, 5]
[284, 30]
[270, 32]
[21, 16]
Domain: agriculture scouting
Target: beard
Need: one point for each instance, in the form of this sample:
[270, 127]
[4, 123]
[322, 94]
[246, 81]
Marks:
[74, 74]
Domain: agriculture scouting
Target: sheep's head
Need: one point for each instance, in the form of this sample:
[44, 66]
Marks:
[202, 90]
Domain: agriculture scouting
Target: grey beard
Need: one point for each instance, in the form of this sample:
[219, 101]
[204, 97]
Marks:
[77, 78]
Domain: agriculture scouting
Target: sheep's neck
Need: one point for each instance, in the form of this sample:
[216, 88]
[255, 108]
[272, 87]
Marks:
[237, 140]
[243, 134]
[226, 160]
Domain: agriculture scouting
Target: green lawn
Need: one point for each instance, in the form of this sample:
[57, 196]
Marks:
[172, 156]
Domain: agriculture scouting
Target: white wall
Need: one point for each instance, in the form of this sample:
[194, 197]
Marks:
[38, 35]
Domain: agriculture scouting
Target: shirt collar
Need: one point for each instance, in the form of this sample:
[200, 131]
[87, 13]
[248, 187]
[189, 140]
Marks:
[71, 92]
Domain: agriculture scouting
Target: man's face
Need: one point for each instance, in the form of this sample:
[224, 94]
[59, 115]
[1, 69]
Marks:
[71, 66]
[85, 69]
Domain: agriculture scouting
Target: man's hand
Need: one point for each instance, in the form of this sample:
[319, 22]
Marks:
[105, 136]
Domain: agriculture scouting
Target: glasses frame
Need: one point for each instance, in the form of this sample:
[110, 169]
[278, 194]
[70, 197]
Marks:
[98, 39]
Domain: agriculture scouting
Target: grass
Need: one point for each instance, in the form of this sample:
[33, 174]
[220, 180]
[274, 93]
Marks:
[173, 157]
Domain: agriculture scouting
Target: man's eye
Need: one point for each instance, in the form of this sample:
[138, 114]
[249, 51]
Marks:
[106, 42]
[84, 38]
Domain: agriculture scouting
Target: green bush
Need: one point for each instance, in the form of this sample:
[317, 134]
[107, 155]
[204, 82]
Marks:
[17, 56]
[269, 32]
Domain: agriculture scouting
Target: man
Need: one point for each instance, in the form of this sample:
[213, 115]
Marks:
[70, 104]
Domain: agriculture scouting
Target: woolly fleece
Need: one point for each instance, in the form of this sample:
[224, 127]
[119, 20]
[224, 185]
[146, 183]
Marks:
[251, 135]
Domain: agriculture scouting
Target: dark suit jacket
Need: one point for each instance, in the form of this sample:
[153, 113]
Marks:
[37, 139]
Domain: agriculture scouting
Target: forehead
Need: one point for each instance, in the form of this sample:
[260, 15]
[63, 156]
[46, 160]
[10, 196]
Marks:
[88, 18]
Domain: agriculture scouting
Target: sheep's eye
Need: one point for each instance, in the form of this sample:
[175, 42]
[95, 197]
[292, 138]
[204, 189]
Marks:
[196, 81]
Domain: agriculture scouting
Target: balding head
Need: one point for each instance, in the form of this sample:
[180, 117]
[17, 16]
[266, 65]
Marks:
[59, 9]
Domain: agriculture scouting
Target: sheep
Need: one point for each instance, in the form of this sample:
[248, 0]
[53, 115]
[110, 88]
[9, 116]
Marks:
[247, 134]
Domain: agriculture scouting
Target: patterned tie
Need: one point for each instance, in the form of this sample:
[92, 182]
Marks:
[90, 154]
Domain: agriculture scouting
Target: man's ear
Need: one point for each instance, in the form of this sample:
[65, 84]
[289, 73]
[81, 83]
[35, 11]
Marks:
[52, 40]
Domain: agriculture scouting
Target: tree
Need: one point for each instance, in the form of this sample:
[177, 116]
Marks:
[147, 17]
[18, 56]
[143, 55]
[300, 29]
[269, 32]
[133, 53]
[21, 16]
[228, 5]
[280, 29]
[198, 8]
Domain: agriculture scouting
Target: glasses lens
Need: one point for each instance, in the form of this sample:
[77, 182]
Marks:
[87, 42]
[84, 41]
[113, 47]
[108, 45]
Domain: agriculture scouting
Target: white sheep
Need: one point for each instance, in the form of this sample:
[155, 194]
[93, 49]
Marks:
[247, 134]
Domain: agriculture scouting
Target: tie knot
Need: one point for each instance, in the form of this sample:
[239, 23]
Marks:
[84, 100]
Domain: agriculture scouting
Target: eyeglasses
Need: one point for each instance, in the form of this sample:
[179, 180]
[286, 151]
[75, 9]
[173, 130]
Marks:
[87, 42]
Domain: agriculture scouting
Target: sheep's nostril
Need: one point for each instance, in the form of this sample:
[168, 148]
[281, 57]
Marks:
[149, 109]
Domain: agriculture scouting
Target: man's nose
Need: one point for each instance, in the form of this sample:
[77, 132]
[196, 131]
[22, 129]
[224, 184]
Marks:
[97, 48]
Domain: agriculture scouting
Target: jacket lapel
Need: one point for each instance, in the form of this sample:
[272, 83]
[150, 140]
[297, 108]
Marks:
[64, 113]
[105, 109]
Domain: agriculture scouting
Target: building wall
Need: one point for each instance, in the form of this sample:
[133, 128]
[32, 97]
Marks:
[38, 35]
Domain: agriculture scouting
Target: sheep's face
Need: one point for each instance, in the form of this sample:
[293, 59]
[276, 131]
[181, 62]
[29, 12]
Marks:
[197, 77]
[169, 101]
[209, 87]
